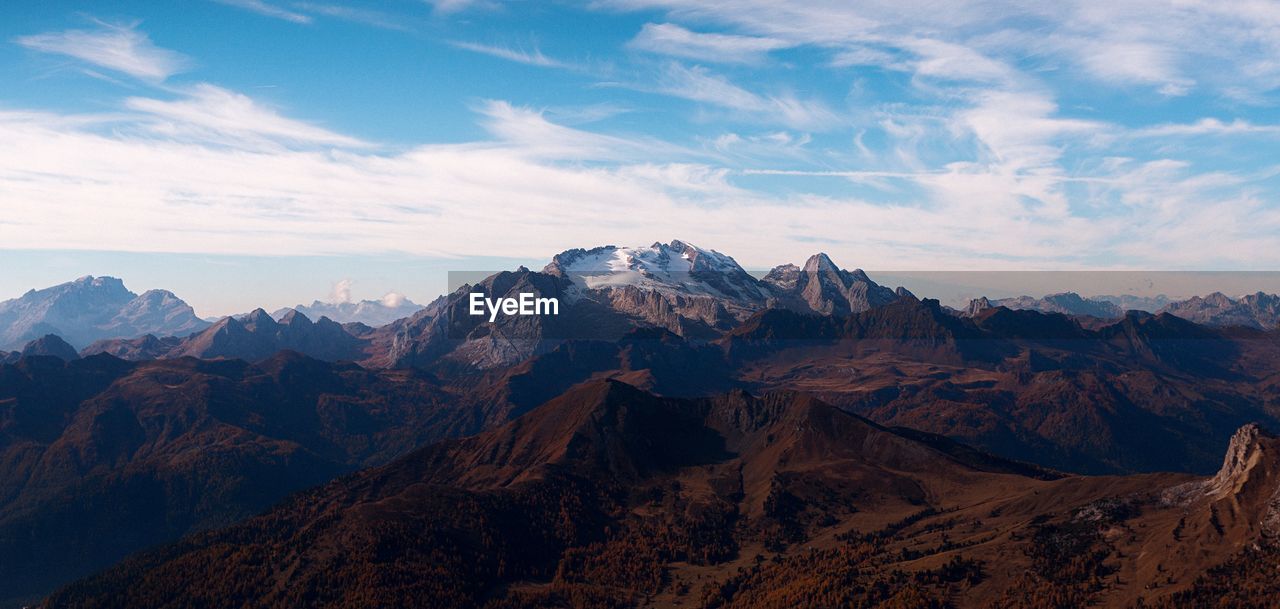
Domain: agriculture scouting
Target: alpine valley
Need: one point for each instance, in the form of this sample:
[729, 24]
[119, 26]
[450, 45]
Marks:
[684, 433]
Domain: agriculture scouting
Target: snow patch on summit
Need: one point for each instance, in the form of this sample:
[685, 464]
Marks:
[663, 267]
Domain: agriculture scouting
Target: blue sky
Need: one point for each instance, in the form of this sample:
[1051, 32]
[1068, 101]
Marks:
[254, 152]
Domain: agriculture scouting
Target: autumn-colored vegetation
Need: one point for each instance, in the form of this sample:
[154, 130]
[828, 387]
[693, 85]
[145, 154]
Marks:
[609, 497]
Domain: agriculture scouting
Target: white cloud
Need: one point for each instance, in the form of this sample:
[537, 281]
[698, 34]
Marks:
[67, 182]
[532, 57]
[121, 48]
[701, 85]
[355, 15]
[978, 158]
[266, 9]
[529, 133]
[393, 299]
[64, 178]
[1020, 129]
[305, 12]
[341, 292]
[1167, 47]
[859, 55]
[1207, 126]
[212, 114]
[1129, 62]
[447, 8]
[673, 40]
[987, 147]
[764, 146]
[949, 61]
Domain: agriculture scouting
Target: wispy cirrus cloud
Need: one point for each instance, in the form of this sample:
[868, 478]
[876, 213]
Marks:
[1138, 44]
[763, 147]
[353, 14]
[449, 7]
[210, 114]
[185, 193]
[266, 9]
[673, 40]
[529, 132]
[699, 84]
[203, 187]
[1207, 126]
[307, 11]
[121, 48]
[532, 57]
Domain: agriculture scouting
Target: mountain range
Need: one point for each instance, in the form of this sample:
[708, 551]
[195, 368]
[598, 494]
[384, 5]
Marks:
[682, 434]
[606, 291]
[254, 336]
[1062, 390]
[607, 496]
[693, 292]
[371, 313]
[1067, 303]
[93, 308]
[1259, 310]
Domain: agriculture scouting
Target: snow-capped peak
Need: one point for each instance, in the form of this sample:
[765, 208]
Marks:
[675, 266]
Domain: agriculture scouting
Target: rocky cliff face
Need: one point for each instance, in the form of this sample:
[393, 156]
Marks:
[976, 306]
[824, 288]
[1249, 449]
[1249, 481]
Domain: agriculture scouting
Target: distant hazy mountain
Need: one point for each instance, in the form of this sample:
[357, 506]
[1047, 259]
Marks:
[1259, 310]
[252, 337]
[1067, 303]
[93, 308]
[1129, 302]
[369, 312]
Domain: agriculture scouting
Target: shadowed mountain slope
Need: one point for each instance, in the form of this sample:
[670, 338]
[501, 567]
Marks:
[611, 497]
[103, 457]
[1145, 393]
